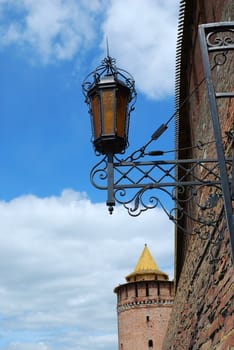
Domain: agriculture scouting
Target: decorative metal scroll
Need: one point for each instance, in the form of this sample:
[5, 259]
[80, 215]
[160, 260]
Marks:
[140, 186]
[219, 36]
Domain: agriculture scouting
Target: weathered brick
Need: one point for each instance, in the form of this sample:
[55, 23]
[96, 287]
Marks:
[203, 311]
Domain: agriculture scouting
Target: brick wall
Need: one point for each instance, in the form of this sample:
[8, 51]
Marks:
[144, 309]
[203, 311]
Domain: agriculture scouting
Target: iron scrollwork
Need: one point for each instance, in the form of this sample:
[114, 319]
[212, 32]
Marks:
[219, 38]
[143, 185]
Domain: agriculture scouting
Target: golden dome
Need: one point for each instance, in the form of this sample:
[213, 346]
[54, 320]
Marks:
[146, 269]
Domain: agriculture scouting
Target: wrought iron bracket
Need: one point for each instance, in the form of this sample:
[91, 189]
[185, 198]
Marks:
[216, 40]
[128, 182]
[197, 191]
[142, 185]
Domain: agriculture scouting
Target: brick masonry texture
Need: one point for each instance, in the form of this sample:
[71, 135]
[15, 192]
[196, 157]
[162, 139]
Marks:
[203, 313]
[143, 313]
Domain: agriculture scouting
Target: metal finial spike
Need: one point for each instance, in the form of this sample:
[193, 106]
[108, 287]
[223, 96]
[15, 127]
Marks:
[107, 48]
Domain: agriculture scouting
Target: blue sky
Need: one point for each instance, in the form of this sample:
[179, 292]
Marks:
[61, 252]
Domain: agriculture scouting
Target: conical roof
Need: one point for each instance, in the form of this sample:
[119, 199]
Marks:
[146, 268]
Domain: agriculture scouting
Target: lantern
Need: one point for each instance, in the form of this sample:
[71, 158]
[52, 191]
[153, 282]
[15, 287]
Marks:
[108, 97]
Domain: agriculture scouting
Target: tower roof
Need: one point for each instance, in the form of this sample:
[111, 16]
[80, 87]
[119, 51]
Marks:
[146, 268]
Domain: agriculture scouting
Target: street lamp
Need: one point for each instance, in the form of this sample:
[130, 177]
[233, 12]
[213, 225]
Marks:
[110, 95]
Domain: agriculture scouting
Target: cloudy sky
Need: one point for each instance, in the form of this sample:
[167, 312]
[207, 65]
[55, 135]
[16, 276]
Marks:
[61, 253]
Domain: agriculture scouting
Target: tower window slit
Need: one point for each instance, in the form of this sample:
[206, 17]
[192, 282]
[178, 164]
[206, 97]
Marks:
[136, 291]
[150, 343]
[147, 289]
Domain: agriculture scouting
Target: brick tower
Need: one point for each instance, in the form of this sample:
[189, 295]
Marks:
[144, 306]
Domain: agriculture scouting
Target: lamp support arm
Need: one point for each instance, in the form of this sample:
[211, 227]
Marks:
[110, 181]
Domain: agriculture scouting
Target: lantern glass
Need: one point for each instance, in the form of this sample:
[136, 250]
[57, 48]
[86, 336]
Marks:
[96, 116]
[109, 115]
[108, 110]
[122, 117]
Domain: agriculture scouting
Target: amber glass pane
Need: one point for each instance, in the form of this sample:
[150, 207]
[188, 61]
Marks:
[96, 116]
[121, 114]
[108, 100]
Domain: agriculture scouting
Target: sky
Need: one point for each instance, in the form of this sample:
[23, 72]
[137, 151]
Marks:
[61, 253]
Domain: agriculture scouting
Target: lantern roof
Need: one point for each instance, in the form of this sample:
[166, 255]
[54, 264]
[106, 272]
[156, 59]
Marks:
[146, 268]
[108, 70]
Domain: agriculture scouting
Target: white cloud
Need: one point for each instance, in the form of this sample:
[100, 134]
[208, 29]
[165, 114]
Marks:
[61, 257]
[55, 29]
[28, 346]
[142, 35]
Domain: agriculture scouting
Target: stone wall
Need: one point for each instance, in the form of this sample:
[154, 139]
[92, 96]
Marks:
[203, 311]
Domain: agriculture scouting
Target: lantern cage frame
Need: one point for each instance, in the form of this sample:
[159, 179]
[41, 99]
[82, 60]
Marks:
[108, 77]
